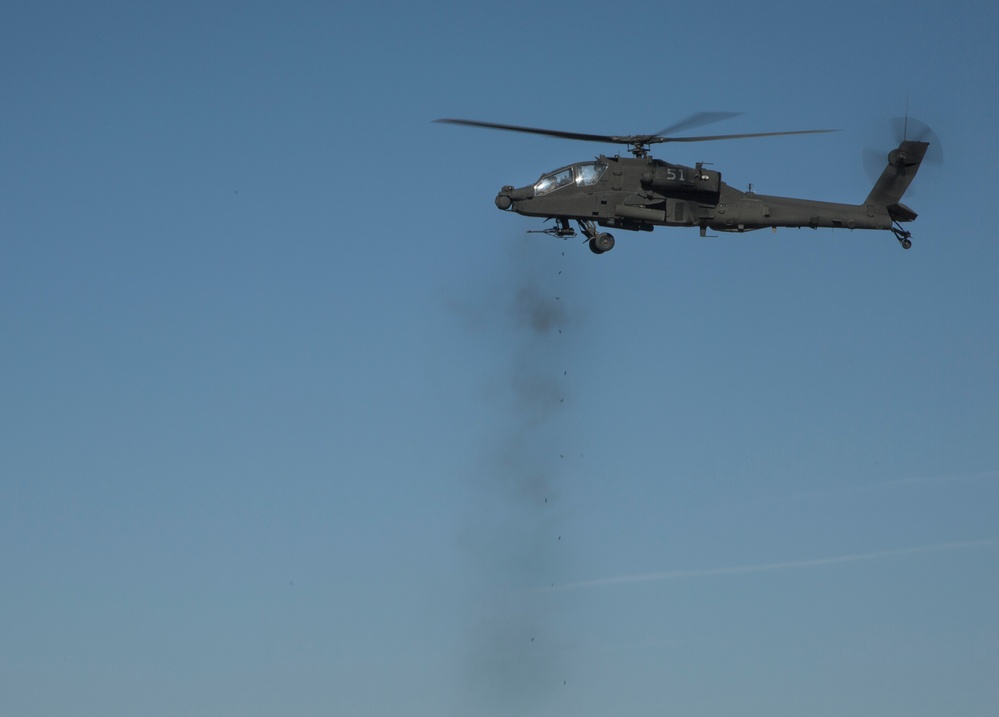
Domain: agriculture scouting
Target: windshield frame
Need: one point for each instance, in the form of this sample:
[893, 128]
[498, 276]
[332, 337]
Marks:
[584, 174]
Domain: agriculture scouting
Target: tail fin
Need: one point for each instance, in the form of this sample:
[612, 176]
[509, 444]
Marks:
[903, 163]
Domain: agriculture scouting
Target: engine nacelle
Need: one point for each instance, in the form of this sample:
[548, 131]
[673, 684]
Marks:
[677, 179]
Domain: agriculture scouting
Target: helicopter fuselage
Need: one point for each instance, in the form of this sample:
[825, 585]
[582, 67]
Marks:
[643, 192]
[640, 193]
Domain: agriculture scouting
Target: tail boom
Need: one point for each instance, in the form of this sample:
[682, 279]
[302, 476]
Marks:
[746, 211]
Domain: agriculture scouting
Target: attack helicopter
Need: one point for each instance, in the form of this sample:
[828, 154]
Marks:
[639, 193]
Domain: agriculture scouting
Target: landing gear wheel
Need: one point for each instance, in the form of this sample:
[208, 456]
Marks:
[902, 235]
[602, 242]
[599, 241]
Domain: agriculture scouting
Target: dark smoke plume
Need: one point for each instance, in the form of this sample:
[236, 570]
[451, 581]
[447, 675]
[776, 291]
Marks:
[512, 536]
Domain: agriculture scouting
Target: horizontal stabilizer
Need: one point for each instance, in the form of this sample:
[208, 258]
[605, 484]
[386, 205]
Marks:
[901, 213]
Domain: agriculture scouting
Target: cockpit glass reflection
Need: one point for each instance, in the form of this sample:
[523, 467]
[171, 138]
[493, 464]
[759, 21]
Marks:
[589, 174]
[584, 175]
[551, 182]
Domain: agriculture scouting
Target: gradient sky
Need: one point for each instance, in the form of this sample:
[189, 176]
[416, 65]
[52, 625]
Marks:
[294, 421]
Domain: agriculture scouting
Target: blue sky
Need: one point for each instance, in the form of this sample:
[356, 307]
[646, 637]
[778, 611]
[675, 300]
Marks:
[295, 421]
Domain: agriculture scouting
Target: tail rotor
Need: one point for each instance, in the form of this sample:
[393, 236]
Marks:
[902, 129]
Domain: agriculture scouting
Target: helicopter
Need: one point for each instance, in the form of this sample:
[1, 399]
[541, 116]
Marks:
[639, 193]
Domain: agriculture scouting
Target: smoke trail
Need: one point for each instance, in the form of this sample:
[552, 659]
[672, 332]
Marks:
[770, 567]
[512, 538]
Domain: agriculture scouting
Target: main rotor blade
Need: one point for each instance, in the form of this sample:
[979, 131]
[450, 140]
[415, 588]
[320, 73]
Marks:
[535, 130]
[692, 121]
[712, 138]
[698, 119]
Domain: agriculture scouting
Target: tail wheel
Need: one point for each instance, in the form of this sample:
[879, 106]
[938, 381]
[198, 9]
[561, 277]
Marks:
[902, 235]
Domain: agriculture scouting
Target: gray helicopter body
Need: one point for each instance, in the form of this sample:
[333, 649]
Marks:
[639, 193]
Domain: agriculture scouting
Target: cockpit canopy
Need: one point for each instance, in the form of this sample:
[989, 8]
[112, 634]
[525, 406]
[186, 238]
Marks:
[584, 175]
